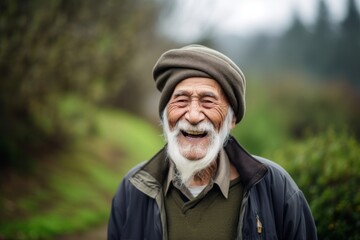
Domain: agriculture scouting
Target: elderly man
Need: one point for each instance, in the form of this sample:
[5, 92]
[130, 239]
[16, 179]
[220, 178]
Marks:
[203, 184]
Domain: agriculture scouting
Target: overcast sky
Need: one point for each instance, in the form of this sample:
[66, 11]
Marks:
[190, 18]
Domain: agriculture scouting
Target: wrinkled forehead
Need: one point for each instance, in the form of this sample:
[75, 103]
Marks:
[199, 86]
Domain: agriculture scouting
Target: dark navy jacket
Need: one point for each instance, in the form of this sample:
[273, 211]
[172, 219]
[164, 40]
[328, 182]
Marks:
[273, 207]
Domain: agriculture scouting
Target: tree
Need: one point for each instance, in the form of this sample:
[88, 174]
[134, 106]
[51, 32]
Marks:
[346, 63]
[293, 45]
[321, 45]
[49, 49]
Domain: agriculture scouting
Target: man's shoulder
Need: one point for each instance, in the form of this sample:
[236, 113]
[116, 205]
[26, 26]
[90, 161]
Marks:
[272, 165]
[277, 176]
[135, 169]
[153, 168]
[125, 181]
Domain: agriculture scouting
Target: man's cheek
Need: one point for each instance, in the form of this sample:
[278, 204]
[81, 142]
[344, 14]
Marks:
[174, 117]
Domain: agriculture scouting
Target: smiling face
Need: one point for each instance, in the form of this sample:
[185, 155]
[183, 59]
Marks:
[196, 106]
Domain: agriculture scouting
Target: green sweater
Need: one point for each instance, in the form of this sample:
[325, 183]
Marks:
[209, 216]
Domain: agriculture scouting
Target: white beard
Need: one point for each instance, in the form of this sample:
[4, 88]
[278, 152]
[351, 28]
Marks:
[187, 169]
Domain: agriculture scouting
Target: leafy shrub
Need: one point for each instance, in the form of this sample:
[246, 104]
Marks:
[308, 106]
[326, 168]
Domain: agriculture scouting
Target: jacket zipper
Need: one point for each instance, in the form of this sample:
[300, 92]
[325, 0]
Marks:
[259, 227]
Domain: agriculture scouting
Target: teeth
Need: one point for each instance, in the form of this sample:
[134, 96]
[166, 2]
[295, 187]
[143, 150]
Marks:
[194, 132]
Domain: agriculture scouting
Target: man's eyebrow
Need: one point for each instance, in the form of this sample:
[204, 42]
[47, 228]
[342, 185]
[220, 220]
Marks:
[180, 93]
[208, 94]
[187, 93]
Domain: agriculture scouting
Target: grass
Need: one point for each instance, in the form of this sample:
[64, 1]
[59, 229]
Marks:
[72, 191]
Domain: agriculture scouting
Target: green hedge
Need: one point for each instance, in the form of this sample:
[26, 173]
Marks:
[326, 168]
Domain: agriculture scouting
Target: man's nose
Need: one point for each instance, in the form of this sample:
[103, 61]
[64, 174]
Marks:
[194, 115]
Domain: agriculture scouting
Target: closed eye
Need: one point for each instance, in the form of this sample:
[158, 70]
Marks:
[208, 102]
[182, 101]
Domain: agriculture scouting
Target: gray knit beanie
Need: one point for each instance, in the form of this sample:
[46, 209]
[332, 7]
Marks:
[176, 65]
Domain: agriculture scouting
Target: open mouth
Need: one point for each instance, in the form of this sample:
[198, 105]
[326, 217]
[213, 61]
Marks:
[194, 134]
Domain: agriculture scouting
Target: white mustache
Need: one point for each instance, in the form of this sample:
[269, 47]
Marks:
[201, 127]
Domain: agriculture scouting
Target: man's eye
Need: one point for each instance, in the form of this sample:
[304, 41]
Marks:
[208, 103]
[208, 100]
[181, 100]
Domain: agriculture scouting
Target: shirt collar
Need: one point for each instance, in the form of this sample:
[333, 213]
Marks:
[221, 178]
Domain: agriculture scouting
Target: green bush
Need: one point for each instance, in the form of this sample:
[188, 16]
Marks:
[326, 168]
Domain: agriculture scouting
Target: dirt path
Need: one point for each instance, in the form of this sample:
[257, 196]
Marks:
[98, 233]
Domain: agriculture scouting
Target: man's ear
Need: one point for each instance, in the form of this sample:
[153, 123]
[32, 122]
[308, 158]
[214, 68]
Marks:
[233, 122]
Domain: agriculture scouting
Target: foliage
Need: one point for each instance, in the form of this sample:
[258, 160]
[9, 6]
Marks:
[310, 107]
[287, 108]
[326, 168]
[72, 191]
[52, 48]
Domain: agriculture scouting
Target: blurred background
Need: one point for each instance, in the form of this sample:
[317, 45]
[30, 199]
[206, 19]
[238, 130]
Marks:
[78, 106]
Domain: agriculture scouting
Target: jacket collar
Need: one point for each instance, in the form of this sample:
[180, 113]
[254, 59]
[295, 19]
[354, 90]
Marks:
[158, 166]
[251, 170]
